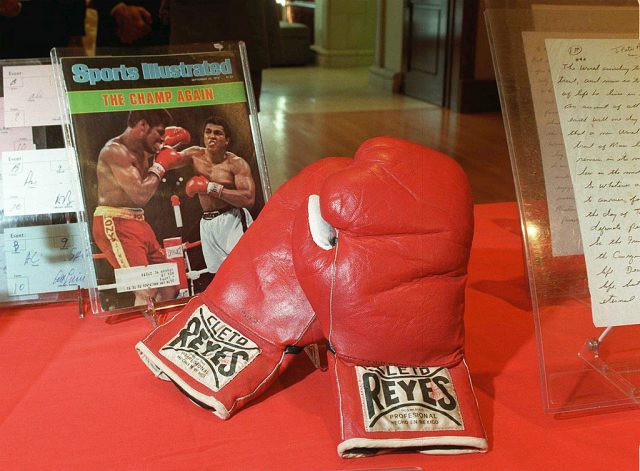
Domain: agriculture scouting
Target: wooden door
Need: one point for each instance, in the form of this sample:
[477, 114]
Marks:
[426, 50]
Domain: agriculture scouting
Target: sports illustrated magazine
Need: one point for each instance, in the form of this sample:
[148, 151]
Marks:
[171, 169]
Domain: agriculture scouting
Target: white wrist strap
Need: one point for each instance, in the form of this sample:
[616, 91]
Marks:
[216, 188]
[157, 169]
[322, 233]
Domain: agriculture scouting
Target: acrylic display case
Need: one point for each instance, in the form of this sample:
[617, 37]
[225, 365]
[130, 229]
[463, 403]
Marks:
[581, 366]
[41, 251]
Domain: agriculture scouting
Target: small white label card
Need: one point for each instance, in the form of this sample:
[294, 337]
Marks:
[563, 218]
[14, 138]
[146, 277]
[38, 182]
[44, 259]
[30, 96]
[597, 89]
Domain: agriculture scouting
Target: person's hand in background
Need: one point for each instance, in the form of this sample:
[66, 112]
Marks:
[10, 8]
[134, 22]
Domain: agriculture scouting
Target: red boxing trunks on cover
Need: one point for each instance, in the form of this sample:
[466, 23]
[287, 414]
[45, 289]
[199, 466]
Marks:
[125, 238]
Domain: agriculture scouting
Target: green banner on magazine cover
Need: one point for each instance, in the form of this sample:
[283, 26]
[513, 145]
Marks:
[103, 101]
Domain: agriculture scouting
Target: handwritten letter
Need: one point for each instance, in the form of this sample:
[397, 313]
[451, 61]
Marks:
[597, 88]
[563, 219]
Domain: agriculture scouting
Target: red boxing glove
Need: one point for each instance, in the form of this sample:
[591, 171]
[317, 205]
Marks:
[233, 340]
[167, 159]
[200, 185]
[174, 136]
[382, 256]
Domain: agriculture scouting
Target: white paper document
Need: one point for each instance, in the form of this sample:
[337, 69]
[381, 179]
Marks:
[44, 259]
[38, 182]
[597, 89]
[563, 218]
[151, 276]
[14, 138]
[30, 96]
[4, 287]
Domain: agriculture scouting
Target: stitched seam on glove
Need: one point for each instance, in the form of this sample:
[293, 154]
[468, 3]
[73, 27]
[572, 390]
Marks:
[362, 362]
[219, 311]
[304, 331]
[333, 282]
[337, 377]
[267, 378]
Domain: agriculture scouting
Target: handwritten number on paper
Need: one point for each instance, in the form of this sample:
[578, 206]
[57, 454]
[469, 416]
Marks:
[19, 287]
[575, 50]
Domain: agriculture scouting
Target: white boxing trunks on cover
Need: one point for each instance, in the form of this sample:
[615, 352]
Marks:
[220, 234]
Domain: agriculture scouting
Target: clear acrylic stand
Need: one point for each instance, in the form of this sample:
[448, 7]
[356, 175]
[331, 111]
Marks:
[590, 353]
[150, 312]
[80, 301]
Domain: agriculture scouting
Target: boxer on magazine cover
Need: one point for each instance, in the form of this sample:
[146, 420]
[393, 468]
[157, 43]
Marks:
[129, 170]
[225, 187]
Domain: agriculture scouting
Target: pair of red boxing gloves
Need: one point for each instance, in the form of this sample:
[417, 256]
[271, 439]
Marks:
[369, 255]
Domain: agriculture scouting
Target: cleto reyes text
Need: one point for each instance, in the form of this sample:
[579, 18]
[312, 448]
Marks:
[387, 386]
[216, 349]
[396, 398]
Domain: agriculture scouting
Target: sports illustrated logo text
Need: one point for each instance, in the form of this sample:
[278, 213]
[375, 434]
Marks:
[209, 350]
[408, 399]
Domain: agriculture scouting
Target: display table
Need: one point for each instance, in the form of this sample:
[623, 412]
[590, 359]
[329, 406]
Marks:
[75, 395]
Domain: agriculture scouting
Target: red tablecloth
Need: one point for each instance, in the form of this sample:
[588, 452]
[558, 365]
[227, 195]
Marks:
[75, 396]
